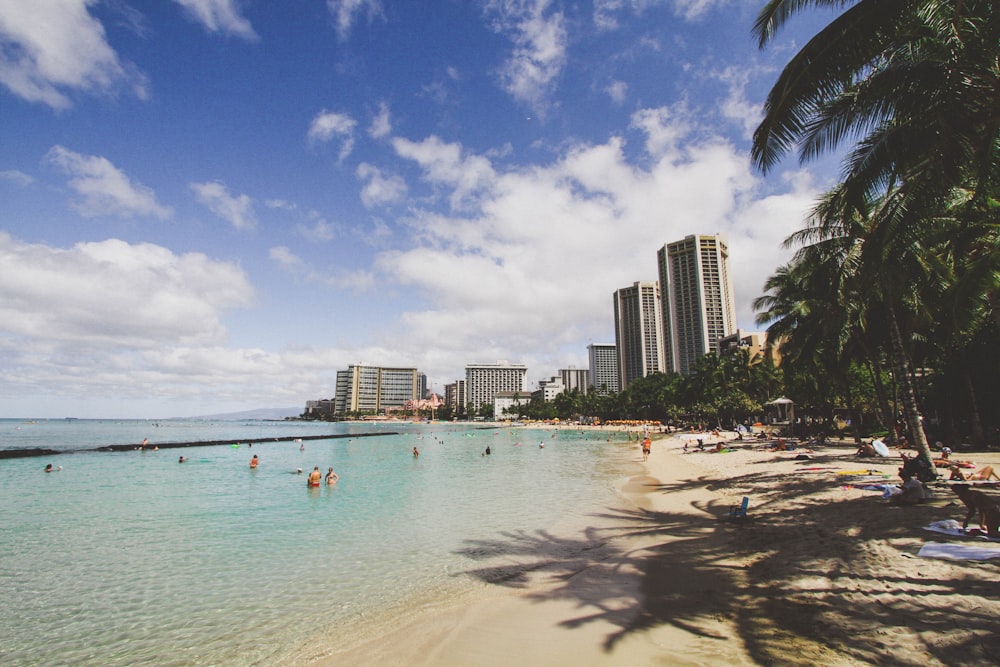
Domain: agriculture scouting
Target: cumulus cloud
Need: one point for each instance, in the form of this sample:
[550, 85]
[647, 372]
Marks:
[51, 48]
[345, 12]
[236, 210]
[617, 90]
[379, 189]
[138, 296]
[219, 16]
[446, 164]
[539, 54]
[381, 126]
[736, 107]
[525, 269]
[284, 257]
[326, 125]
[16, 177]
[104, 189]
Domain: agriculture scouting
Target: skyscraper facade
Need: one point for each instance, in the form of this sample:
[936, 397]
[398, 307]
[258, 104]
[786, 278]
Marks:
[575, 378]
[698, 305]
[484, 381]
[603, 367]
[372, 389]
[638, 332]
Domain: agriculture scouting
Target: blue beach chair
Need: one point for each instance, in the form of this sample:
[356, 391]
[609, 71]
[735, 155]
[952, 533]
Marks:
[740, 511]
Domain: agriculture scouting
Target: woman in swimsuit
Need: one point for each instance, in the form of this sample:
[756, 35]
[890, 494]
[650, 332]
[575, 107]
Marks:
[331, 477]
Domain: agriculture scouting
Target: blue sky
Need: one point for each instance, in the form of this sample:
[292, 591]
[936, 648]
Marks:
[214, 205]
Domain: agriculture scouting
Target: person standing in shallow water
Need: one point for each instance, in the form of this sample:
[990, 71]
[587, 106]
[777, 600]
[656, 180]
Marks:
[332, 477]
[254, 461]
[315, 477]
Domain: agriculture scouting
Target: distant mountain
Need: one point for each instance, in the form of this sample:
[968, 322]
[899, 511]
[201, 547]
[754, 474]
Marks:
[258, 414]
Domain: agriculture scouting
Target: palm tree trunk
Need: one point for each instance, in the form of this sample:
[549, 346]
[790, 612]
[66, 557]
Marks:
[978, 433]
[882, 399]
[911, 411]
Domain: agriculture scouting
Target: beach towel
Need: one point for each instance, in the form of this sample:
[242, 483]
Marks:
[958, 551]
[954, 528]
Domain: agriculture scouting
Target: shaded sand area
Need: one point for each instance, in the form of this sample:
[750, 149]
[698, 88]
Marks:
[820, 572]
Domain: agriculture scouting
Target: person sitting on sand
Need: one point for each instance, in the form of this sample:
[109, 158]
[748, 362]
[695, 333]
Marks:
[982, 475]
[866, 449]
[911, 493]
[315, 477]
[331, 477]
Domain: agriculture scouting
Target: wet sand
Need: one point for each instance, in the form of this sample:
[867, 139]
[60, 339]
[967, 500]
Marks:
[820, 572]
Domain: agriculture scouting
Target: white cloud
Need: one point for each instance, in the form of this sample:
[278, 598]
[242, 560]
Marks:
[526, 268]
[606, 11]
[539, 55]
[381, 126]
[617, 90]
[379, 189]
[237, 211]
[16, 177]
[138, 296]
[284, 257]
[445, 164]
[326, 125]
[735, 106]
[219, 16]
[692, 10]
[104, 189]
[49, 48]
[345, 12]
[317, 229]
[358, 280]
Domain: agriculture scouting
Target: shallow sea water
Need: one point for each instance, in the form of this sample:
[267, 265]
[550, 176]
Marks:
[128, 558]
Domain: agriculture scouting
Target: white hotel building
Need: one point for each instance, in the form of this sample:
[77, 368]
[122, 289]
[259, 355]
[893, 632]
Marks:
[484, 381]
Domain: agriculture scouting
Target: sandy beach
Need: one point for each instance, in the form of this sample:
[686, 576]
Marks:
[821, 572]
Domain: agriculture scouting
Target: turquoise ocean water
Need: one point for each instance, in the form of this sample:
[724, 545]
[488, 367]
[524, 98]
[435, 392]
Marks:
[130, 558]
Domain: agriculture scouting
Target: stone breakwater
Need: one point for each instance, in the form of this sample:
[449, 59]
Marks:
[38, 451]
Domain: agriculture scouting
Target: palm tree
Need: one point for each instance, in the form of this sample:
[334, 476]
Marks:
[916, 84]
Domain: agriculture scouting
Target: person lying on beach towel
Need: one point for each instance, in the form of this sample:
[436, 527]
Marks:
[983, 474]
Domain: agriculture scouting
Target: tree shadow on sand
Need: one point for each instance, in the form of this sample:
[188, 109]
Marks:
[807, 578]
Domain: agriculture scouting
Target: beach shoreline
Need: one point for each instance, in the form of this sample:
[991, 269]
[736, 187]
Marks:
[821, 571]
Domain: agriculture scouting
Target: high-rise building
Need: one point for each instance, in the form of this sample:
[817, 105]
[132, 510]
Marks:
[372, 389]
[575, 378]
[603, 367]
[698, 307]
[484, 381]
[454, 396]
[638, 332]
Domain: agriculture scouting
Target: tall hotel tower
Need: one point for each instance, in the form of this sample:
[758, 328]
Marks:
[638, 332]
[603, 368]
[484, 381]
[697, 294]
